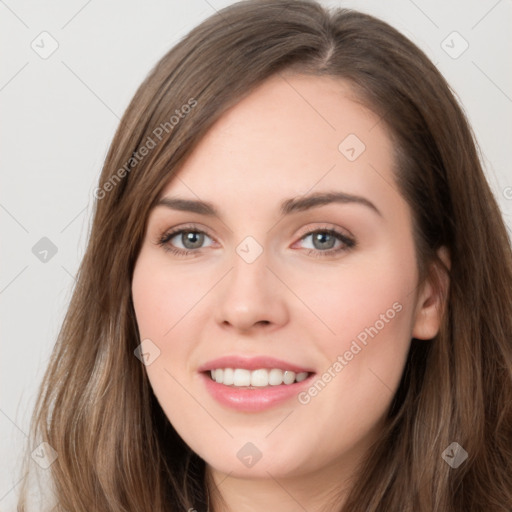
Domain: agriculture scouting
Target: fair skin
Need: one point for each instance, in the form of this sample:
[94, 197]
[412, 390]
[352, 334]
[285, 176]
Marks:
[292, 302]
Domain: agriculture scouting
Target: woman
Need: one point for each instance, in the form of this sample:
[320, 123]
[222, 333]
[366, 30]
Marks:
[297, 289]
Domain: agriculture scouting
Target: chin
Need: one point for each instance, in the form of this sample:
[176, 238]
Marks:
[258, 460]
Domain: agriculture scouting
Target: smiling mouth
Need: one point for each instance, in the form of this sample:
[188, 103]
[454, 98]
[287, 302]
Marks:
[260, 378]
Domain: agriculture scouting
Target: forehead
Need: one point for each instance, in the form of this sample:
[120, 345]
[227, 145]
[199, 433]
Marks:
[290, 135]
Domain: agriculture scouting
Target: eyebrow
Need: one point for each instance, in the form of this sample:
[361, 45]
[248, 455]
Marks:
[297, 204]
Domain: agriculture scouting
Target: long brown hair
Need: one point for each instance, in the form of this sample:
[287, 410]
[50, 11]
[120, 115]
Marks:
[116, 449]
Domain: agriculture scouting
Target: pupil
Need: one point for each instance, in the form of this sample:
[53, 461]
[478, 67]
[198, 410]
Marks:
[322, 238]
[192, 240]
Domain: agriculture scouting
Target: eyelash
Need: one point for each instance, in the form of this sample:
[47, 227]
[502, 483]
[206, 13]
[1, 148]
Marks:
[348, 242]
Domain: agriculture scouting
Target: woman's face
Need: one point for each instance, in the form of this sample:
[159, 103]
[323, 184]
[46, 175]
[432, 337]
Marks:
[281, 256]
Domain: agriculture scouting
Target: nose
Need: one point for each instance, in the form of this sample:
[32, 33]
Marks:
[251, 297]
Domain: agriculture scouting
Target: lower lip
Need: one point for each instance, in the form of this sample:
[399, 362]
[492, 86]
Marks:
[253, 399]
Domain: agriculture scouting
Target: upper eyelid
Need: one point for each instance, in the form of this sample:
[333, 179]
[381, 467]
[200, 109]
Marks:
[179, 229]
[325, 226]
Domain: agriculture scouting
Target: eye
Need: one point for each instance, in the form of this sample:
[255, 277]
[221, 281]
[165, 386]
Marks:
[184, 241]
[326, 242]
[320, 242]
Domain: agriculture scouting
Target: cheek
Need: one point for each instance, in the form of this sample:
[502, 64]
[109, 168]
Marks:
[167, 301]
[343, 302]
[162, 296]
[163, 300]
[370, 309]
[366, 311]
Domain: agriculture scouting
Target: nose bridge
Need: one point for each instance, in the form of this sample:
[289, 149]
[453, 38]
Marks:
[250, 274]
[251, 294]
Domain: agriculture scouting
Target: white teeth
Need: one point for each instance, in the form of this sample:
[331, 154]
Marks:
[257, 378]
[289, 377]
[275, 377]
[299, 378]
[229, 375]
[241, 377]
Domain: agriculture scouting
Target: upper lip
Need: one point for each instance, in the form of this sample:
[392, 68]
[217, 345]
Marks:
[251, 363]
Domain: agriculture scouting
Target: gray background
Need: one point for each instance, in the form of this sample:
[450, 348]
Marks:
[59, 115]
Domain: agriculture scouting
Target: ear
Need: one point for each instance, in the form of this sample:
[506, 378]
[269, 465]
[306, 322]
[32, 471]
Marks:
[431, 300]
